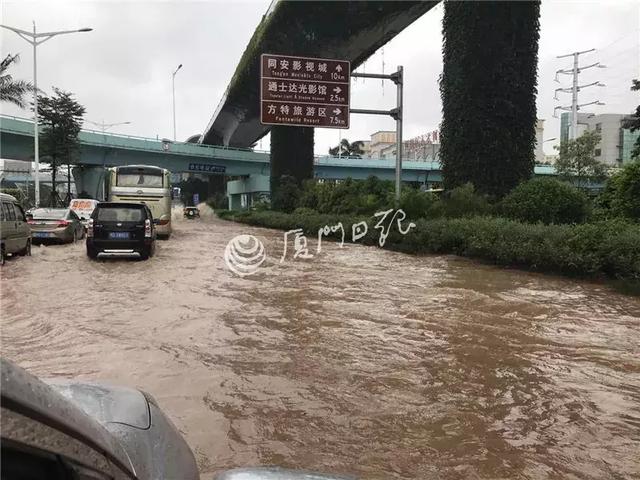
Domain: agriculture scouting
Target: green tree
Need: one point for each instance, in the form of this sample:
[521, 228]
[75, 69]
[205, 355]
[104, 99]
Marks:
[577, 162]
[488, 88]
[346, 149]
[12, 91]
[61, 117]
[622, 192]
[633, 123]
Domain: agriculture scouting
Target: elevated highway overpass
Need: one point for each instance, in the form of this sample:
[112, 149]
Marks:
[100, 149]
[250, 168]
[346, 30]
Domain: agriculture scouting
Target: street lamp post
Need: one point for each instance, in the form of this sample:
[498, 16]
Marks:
[173, 88]
[36, 39]
[105, 126]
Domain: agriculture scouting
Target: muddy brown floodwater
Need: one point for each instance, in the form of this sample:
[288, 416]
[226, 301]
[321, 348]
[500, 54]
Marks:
[359, 361]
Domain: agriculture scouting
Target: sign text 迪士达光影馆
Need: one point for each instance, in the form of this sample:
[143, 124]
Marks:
[303, 91]
[206, 168]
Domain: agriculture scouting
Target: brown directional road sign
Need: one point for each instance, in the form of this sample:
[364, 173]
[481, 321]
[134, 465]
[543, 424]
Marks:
[304, 92]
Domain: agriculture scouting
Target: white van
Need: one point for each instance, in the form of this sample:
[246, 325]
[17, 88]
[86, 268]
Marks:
[83, 208]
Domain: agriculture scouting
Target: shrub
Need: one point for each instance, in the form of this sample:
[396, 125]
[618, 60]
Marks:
[546, 200]
[624, 188]
[609, 248]
[287, 195]
[461, 202]
[304, 211]
[417, 204]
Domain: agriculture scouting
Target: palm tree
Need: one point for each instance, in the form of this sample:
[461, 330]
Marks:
[11, 90]
[346, 149]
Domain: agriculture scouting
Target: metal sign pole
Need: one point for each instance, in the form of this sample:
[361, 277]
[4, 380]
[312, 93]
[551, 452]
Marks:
[395, 113]
[399, 136]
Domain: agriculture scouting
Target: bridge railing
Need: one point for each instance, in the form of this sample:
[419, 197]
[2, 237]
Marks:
[157, 140]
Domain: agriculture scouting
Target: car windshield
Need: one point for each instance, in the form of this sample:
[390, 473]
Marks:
[120, 214]
[49, 214]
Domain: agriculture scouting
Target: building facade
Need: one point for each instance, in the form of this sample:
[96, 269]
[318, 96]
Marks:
[616, 142]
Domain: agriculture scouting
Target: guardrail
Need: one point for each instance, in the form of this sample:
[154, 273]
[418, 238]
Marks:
[147, 139]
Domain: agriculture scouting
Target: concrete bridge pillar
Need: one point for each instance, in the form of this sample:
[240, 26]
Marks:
[291, 155]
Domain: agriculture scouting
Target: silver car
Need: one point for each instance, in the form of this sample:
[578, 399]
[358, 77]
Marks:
[15, 235]
[55, 224]
[73, 430]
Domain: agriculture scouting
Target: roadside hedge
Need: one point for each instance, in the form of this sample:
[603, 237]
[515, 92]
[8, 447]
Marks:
[546, 200]
[602, 249]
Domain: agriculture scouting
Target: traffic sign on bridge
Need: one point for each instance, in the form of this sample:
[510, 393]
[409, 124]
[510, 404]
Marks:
[304, 92]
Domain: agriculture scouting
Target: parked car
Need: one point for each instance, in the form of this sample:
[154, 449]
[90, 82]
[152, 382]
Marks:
[65, 429]
[55, 224]
[191, 212]
[15, 234]
[83, 208]
[119, 227]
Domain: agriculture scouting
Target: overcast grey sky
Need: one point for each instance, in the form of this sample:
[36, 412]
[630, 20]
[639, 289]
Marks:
[122, 70]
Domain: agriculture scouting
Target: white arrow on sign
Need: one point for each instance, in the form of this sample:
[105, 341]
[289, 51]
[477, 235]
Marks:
[337, 89]
[337, 111]
[338, 68]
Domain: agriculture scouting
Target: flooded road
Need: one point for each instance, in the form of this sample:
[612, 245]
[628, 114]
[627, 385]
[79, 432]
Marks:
[358, 361]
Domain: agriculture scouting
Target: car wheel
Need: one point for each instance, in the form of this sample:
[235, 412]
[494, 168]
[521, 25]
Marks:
[145, 254]
[92, 253]
[26, 250]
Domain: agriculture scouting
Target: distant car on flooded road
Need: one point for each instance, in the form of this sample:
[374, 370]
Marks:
[191, 212]
[121, 228]
[55, 225]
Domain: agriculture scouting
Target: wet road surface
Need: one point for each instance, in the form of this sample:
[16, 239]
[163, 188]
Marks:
[359, 361]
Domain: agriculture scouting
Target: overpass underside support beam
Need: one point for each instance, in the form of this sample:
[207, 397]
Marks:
[291, 159]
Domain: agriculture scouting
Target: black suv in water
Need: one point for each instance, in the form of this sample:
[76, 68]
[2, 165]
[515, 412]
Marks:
[117, 227]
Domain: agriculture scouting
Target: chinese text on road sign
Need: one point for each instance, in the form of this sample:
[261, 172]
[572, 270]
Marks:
[304, 92]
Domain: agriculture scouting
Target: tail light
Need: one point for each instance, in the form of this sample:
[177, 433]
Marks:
[31, 222]
[90, 228]
[62, 223]
[147, 228]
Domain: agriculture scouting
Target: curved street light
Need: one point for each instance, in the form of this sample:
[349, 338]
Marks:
[36, 39]
[105, 126]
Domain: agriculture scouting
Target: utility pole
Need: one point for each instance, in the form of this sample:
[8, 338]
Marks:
[575, 88]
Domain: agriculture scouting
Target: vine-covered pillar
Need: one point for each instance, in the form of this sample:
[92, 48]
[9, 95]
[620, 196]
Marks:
[291, 156]
[488, 89]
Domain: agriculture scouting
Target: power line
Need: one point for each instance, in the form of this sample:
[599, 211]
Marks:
[634, 32]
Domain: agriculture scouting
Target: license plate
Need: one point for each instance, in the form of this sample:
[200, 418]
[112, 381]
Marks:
[42, 234]
[119, 235]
